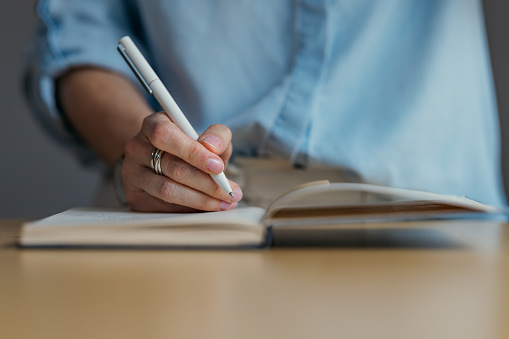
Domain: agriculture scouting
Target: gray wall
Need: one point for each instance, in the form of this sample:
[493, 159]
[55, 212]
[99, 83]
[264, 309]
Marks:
[497, 25]
[38, 178]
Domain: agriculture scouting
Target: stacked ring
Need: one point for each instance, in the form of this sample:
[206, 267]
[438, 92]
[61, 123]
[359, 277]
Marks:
[155, 160]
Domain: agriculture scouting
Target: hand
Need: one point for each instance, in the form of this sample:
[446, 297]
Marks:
[185, 185]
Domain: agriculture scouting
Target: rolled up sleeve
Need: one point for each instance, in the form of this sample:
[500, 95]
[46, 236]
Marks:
[73, 33]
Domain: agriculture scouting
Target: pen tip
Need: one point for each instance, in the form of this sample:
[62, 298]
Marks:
[231, 195]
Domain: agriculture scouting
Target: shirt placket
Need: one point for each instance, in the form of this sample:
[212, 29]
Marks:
[288, 137]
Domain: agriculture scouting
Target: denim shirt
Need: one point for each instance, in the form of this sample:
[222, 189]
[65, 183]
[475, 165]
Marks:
[395, 92]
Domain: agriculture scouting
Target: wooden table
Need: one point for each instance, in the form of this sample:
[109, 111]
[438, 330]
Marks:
[420, 280]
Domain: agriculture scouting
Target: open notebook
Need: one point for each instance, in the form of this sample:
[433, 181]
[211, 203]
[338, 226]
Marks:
[314, 205]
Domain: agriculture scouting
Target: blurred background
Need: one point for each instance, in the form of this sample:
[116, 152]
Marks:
[38, 178]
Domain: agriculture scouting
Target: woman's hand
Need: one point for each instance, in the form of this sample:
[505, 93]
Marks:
[185, 184]
[107, 117]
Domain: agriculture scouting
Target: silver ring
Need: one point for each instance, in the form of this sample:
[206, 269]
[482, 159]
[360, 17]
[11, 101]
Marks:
[155, 160]
[152, 158]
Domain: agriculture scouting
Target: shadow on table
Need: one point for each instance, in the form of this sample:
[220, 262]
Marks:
[368, 238]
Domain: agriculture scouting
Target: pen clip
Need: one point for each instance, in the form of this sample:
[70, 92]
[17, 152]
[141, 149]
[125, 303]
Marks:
[131, 65]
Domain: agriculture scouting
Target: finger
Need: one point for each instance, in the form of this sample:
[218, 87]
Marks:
[217, 138]
[137, 199]
[227, 154]
[163, 134]
[141, 201]
[173, 192]
[180, 171]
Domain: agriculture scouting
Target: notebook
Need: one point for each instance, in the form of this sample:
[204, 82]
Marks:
[315, 205]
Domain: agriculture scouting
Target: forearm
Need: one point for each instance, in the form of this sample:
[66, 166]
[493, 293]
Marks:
[105, 109]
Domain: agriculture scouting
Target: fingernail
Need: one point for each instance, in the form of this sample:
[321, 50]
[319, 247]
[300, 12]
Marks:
[237, 193]
[227, 206]
[215, 166]
[212, 140]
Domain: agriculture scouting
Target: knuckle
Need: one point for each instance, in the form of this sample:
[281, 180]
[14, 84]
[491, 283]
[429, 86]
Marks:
[148, 122]
[167, 191]
[195, 153]
[179, 170]
[223, 130]
[158, 132]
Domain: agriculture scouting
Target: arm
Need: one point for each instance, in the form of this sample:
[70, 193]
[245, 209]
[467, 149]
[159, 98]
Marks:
[92, 95]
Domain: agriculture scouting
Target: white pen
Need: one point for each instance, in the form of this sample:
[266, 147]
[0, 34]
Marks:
[153, 85]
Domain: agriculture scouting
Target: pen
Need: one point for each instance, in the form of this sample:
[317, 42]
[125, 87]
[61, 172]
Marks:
[153, 85]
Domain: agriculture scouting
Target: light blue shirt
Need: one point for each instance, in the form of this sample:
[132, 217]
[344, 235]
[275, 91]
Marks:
[397, 92]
